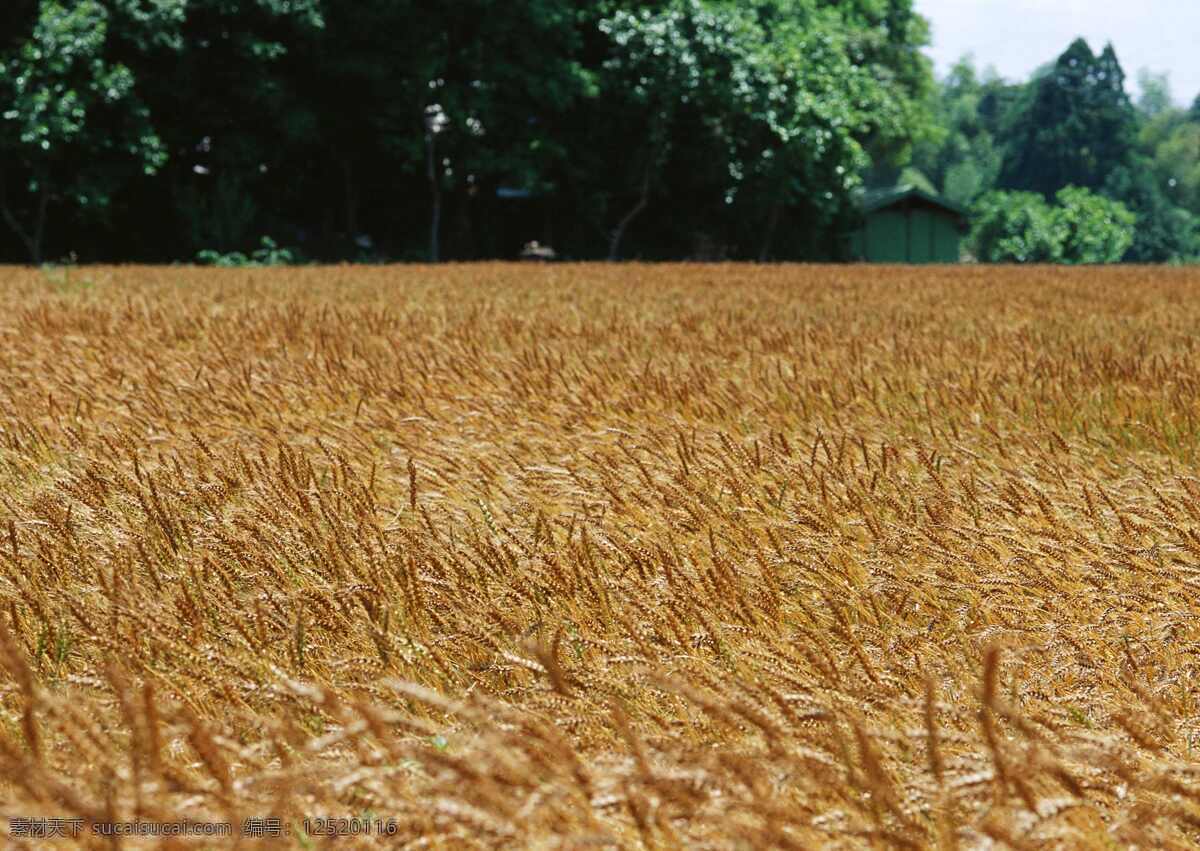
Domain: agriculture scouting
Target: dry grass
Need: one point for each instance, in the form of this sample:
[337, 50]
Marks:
[567, 557]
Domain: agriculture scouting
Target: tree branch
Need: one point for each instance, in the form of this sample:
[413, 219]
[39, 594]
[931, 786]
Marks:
[435, 189]
[614, 246]
[764, 251]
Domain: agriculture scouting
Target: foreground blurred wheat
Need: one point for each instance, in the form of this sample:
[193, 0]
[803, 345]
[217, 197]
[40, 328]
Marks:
[567, 557]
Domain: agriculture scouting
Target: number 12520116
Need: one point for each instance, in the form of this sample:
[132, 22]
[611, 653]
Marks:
[349, 827]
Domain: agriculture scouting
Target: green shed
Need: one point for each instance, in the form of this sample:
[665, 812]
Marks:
[907, 225]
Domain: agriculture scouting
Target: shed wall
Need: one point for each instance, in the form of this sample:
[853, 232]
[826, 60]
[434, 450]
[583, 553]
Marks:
[886, 240]
[918, 234]
[946, 239]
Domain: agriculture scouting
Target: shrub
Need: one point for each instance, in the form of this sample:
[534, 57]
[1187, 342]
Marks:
[1081, 227]
[269, 253]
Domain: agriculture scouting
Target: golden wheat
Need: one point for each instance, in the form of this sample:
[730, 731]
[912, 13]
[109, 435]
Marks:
[567, 557]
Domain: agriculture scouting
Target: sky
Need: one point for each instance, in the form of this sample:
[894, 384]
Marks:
[1017, 36]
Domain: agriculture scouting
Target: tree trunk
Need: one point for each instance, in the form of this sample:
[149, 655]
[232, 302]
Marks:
[31, 240]
[39, 227]
[614, 246]
[435, 189]
[764, 251]
[351, 198]
[462, 239]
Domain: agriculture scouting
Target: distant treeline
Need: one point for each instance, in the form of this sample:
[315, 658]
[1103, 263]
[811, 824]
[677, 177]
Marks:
[378, 130]
[1012, 152]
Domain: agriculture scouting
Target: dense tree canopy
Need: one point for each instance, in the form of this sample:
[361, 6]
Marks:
[1079, 126]
[397, 129]
[1072, 124]
[964, 156]
[73, 127]
[154, 131]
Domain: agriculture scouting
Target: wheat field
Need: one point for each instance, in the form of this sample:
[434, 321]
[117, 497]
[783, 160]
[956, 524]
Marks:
[573, 557]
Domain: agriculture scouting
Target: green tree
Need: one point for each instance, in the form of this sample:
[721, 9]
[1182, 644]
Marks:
[92, 92]
[850, 83]
[785, 95]
[1094, 229]
[972, 113]
[886, 39]
[1021, 227]
[1079, 125]
[1161, 183]
[1014, 227]
[1172, 142]
[685, 58]
[74, 126]
[465, 97]
[503, 76]
[1165, 232]
[231, 175]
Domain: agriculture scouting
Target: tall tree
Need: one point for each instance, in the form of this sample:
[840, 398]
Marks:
[963, 160]
[1078, 128]
[240, 118]
[74, 125]
[685, 58]
[500, 76]
[1171, 142]
[886, 39]
[1165, 232]
[786, 95]
[1162, 184]
[855, 84]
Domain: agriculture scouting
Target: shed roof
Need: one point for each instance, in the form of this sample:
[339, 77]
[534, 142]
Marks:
[876, 199]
